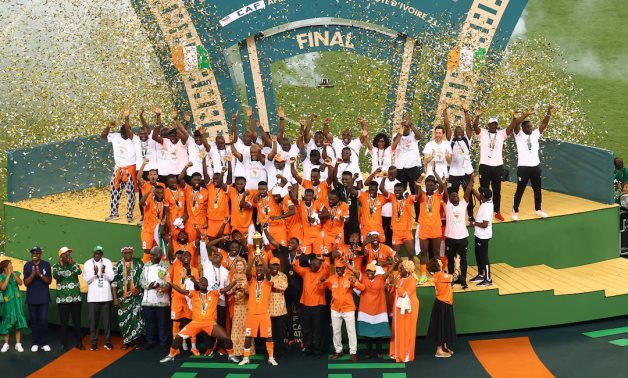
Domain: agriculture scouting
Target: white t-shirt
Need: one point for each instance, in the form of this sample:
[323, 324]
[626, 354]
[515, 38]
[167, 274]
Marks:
[194, 151]
[307, 170]
[407, 154]
[380, 158]
[456, 226]
[440, 151]
[460, 157]
[272, 174]
[355, 145]
[351, 166]
[218, 159]
[528, 148]
[286, 155]
[147, 149]
[491, 146]
[254, 172]
[390, 188]
[123, 149]
[171, 158]
[217, 278]
[485, 213]
[312, 146]
[239, 169]
[98, 285]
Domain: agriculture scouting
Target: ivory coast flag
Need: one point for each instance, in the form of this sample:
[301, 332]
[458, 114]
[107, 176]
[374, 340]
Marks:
[187, 58]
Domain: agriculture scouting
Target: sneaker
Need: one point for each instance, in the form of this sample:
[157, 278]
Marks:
[129, 220]
[477, 279]
[209, 353]
[271, 361]
[514, 216]
[5, 347]
[245, 361]
[337, 356]
[168, 358]
[541, 214]
[18, 347]
[108, 346]
[486, 282]
[140, 223]
[195, 352]
[234, 359]
[464, 285]
[222, 351]
[46, 348]
[354, 357]
[34, 348]
[93, 347]
[499, 216]
[111, 218]
[422, 280]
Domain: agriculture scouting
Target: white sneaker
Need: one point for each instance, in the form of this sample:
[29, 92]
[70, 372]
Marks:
[514, 216]
[5, 348]
[168, 358]
[245, 361]
[271, 361]
[34, 348]
[18, 347]
[541, 214]
[46, 348]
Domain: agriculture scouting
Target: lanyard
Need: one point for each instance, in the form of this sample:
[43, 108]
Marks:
[372, 203]
[258, 291]
[203, 298]
[159, 206]
[195, 195]
[400, 207]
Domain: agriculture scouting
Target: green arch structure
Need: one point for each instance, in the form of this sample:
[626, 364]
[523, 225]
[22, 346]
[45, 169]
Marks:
[242, 38]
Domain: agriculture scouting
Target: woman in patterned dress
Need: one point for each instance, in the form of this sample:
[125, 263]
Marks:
[127, 297]
[240, 294]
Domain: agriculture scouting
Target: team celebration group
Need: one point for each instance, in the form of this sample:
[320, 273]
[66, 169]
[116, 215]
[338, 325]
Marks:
[241, 233]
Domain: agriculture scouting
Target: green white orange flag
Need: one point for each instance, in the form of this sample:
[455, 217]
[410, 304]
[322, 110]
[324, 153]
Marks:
[188, 58]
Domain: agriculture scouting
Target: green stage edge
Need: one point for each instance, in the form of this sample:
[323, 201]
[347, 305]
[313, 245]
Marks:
[558, 242]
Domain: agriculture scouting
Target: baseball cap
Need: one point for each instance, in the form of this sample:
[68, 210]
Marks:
[371, 267]
[36, 249]
[493, 120]
[339, 264]
[275, 260]
[63, 250]
[98, 248]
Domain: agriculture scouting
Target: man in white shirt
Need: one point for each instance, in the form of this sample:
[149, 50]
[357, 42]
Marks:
[156, 300]
[220, 155]
[318, 142]
[98, 274]
[407, 157]
[483, 226]
[311, 162]
[172, 150]
[243, 145]
[528, 162]
[439, 152]
[390, 180]
[217, 278]
[145, 150]
[123, 176]
[347, 141]
[197, 151]
[456, 233]
[254, 165]
[491, 157]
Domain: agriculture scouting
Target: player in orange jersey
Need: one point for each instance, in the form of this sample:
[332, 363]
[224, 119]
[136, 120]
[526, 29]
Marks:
[311, 212]
[269, 211]
[204, 307]
[258, 317]
[196, 197]
[175, 198]
[378, 253]
[371, 204]
[334, 222]
[401, 221]
[294, 226]
[242, 208]
[181, 272]
[217, 200]
[321, 188]
[155, 216]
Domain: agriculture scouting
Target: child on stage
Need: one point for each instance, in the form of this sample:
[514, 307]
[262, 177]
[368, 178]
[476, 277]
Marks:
[442, 328]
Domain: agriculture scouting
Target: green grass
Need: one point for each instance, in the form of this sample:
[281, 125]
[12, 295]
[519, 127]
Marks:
[592, 35]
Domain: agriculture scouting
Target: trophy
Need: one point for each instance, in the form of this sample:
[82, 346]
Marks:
[257, 241]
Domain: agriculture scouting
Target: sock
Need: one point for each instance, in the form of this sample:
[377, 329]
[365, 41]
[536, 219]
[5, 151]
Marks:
[270, 348]
[247, 352]
[193, 345]
[193, 341]
[423, 269]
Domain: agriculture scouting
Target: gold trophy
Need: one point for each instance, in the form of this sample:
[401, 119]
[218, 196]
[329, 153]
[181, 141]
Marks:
[257, 242]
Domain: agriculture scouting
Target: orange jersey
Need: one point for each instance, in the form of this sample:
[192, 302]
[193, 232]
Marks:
[430, 216]
[145, 187]
[240, 218]
[321, 191]
[371, 211]
[313, 294]
[381, 254]
[350, 256]
[204, 305]
[402, 212]
[335, 224]
[306, 212]
[442, 284]
[217, 203]
[342, 292]
[176, 202]
[178, 274]
[293, 223]
[266, 208]
[153, 213]
[196, 205]
[259, 295]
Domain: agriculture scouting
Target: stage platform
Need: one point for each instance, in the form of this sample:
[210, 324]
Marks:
[558, 270]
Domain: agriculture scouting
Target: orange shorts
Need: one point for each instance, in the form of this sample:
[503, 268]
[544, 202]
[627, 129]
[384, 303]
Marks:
[213, 226]
[258, 326]
[280, 234]
[399, 236]
[194, 328]
[148, 239]
[189, 229]
[427, 232]
[365, 231]
[295, 232]
[179, 308]
[312, 244]
[329, 242]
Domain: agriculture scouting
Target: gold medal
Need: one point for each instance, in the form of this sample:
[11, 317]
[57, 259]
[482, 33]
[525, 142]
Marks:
[215, 205]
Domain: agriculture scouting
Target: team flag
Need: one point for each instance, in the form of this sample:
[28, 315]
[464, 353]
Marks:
[188, 58]
[479, 59]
